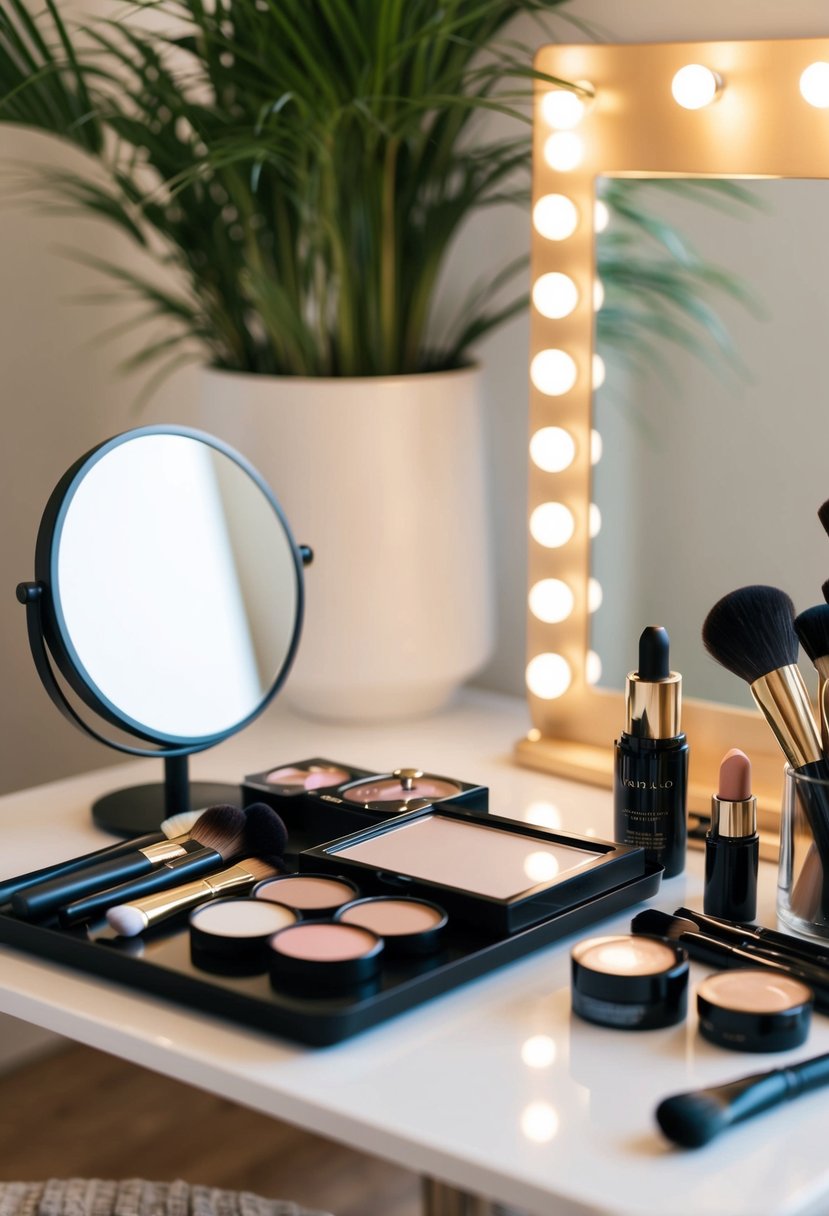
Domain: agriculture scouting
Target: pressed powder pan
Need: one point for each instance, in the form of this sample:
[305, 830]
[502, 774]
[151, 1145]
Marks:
[407, 926]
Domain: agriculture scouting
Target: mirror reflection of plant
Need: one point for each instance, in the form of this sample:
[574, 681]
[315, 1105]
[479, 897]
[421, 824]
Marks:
[658, 290]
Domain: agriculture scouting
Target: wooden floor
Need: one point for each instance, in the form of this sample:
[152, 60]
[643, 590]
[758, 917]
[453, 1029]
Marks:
[82, 1114]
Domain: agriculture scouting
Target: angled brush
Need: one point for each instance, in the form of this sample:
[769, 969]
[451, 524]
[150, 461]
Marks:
[812, 627]
[693, 1119]
[261, 833]
[216, 829]
[130, 919]
[751, 632]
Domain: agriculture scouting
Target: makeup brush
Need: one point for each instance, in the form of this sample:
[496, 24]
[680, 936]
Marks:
[751, 632]
[216, 829]
[825, 589]
[134, 917]
[693, 1119]
[261, 834]
[705, 949]
[812, 627]
[748, 935]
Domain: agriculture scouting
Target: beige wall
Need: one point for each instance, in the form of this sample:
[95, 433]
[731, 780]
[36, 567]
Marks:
[61, 393]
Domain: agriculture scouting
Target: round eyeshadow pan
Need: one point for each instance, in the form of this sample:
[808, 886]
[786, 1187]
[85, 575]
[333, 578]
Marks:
[630, 982]
[754, 1009]
[408, 926]
[325, 954]
[315, 777]
[314, 895]
[236, 931]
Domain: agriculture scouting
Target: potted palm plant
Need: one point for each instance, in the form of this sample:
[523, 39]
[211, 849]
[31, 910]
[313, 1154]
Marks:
[299, 170]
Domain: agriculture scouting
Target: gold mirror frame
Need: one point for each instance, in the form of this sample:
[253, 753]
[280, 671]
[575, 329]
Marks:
[757, 125]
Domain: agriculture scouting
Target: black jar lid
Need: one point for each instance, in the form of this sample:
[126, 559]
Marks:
[754, 1009]
[633, 982]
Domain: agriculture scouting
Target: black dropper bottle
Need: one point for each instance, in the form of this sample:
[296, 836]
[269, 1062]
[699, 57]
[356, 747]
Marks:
[651, 772]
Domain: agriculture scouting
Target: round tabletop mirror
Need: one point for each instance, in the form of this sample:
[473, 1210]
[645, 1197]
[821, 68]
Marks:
[169, 591]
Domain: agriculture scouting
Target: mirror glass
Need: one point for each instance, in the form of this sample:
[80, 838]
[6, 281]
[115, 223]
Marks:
[714, 465]
[175, 584]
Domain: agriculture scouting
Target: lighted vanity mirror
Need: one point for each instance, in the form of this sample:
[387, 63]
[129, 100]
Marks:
[605, 488]
[169, 594]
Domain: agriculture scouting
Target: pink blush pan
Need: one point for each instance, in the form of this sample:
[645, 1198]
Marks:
[324, 955]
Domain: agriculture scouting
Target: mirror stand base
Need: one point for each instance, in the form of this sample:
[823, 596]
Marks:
[140, 809]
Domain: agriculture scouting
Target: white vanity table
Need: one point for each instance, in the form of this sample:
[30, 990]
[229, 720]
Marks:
[461, 1090]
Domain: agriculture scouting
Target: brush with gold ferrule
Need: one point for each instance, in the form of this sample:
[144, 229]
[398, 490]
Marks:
[751, 632]
[133, 918]
[812, 628]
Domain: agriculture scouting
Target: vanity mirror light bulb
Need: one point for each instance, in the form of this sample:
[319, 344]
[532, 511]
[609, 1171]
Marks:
[552, 524]
[695, 86]
[563, 109]
[548, 676]
[555, 217]
[594, 519]
[563, 151]
[814, 85]
[601, 215]
[551, 601]
[552, 449]
[595, 447]
[553, 372]
[592, 668]
[594, 595]
[599, 371]
[555, 295]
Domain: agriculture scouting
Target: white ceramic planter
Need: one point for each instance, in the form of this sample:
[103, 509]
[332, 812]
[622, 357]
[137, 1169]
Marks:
[384, 479]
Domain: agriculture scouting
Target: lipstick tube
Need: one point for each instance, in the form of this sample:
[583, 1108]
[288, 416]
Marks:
[651, 769]
[732, 846]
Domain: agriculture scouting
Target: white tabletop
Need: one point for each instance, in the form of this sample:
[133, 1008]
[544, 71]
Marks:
[446, 1089]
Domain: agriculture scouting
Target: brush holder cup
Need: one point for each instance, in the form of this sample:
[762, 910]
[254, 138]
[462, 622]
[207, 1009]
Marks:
[803, 878]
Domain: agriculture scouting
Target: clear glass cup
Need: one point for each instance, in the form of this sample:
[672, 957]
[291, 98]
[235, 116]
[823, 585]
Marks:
[802, 887]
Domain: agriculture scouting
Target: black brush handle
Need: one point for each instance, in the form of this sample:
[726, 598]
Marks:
[815, 800]
[47, 897]
[724, 955]
[11, 886]
[182, 869]
[751, 937]
[694, 1119]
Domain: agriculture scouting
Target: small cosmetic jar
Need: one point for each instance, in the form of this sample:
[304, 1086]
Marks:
[236, 932]
[631, 983]
[324, 954]
[407, 926]
[754, 1009]
[316, 896]
[311, 777]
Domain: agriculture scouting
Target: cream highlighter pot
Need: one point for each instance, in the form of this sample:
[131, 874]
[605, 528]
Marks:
[315, 896]
[324, 954]
[407, 926]
[754, 1009]
[631, 982]
[236, 931]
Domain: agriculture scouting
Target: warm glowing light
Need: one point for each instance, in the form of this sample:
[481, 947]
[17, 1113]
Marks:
[540, 867]
[595, 447]
[814, 85]
[539, 1051]
[548, 676]
[555, 295]
[534, 734]
[594, 595]
[601, 215]
[552, 524]
[563, 109]
[553, 372]
[543, 814]
[563, 151]
[555, 217]
[551, 601]
[594, 517]
[592, 668]
[552, 449]
[539, 1122]
[598, 294]
[599, 371]
[695, 86]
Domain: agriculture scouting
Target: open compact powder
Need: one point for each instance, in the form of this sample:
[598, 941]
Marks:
[633, 982]
[408, 926]
[314, 895]
[754, 1009]
[324, 954]
[237, 930]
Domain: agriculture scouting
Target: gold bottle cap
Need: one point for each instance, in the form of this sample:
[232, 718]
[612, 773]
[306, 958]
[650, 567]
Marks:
[653, 708]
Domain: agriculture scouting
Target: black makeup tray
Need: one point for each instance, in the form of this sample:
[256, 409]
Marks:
[163, 967]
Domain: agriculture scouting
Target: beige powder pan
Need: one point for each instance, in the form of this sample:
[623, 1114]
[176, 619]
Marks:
[407, 926]
[754, 1009]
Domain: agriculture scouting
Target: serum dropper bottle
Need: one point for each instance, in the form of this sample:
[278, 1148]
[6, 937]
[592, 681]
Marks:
[651, 770]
